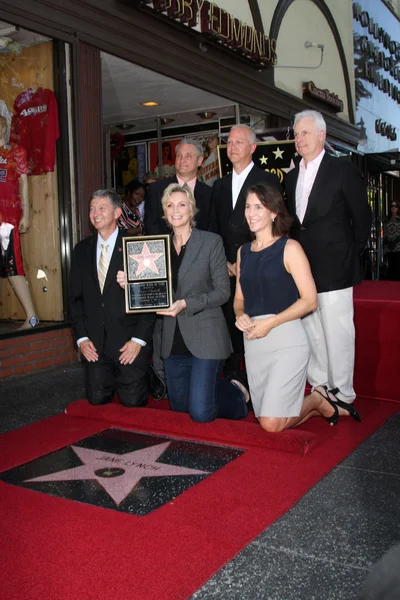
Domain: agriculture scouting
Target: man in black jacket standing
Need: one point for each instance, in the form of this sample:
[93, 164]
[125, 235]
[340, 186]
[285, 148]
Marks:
[115, 345]
[332, 220]
[189, 157]
[228, 200]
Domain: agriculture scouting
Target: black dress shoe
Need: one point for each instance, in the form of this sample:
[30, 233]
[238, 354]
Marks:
[348, 407]
[157, 385]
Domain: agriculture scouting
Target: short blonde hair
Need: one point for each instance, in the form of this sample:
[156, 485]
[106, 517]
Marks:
[184, 189]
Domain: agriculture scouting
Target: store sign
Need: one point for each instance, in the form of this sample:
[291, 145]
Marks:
[375, 30]
[220, 26]
[385, 130]
[377, 72]
[372, 47]
[325, 96]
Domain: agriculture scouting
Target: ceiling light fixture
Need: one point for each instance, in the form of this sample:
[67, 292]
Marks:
[206, 114]
[125, 126]
[150, 103]
[8, 30]
[166, 120]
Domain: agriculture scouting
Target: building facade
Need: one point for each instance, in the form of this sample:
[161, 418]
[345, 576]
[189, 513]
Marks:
[274, 58]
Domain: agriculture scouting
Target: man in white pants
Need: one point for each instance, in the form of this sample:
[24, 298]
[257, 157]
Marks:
[328, 199]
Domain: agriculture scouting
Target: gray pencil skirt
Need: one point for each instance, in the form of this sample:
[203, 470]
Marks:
[277, 368]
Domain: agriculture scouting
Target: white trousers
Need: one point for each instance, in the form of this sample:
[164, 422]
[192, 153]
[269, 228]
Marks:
[331, 332]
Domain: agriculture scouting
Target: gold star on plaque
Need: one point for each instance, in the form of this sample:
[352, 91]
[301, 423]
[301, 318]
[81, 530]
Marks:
[263, 160]
[278, 153]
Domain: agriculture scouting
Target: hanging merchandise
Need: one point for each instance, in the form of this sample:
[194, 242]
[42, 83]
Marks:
[35, 128]
[12, 166]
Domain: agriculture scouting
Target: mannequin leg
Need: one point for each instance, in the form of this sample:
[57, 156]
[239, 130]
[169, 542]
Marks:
[21, 288]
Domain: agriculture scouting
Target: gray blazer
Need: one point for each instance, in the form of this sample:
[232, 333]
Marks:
[203, 281]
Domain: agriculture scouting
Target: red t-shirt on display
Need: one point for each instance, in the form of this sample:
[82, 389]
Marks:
[35, 128]
[13, 164]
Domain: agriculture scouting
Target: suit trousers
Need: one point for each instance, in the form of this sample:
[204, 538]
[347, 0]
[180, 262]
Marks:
[158, 362]
[331, 332]
[107, 376]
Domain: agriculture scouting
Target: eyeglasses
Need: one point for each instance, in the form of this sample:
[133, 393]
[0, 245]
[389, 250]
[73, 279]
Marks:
[394, 206]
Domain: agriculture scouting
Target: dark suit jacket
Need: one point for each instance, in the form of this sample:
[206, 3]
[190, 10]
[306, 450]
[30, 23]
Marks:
[336, 224]
[154, 223]
[231, 223]
[95, 314]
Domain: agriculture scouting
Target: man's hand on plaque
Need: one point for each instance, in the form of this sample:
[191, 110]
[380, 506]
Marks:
[174, 309]
[129, 352]
[122, 278]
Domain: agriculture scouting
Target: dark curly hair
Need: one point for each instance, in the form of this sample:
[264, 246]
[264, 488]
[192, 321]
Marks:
[272, 199]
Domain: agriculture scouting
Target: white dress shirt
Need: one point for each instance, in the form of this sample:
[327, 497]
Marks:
[305, 183]
[111, 245]
[238, 181]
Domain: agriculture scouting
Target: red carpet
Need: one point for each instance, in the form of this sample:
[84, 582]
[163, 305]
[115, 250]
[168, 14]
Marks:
[62, 549]
[377, 321]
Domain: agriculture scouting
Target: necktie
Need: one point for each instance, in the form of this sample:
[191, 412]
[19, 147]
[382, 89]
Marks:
[103, 265]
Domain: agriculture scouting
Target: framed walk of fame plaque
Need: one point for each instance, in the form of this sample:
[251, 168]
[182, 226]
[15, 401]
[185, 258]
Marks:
[147, 264]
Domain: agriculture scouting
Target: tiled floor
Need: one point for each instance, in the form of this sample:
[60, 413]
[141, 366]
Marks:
[322, 549]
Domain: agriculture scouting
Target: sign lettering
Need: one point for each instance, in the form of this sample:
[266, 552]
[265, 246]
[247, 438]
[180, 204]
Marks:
[310, 89]
[219, 26]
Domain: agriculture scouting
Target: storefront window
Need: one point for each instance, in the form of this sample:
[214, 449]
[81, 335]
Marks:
[31, 282]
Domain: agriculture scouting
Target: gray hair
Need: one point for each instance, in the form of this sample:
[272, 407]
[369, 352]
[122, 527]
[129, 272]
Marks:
[185, 189]
[114, 198]
[315, 116]
[192, 142]
[250, 131]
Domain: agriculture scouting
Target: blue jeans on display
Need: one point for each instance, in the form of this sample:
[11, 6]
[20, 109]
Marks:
[195, 386]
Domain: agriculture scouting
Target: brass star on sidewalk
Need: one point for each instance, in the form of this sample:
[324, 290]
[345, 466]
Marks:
[119, 473]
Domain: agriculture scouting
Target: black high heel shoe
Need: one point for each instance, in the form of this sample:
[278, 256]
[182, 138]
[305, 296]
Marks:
[349, 407]
[333, 420]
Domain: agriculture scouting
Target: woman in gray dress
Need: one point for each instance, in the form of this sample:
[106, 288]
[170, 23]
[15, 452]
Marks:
[274, 290]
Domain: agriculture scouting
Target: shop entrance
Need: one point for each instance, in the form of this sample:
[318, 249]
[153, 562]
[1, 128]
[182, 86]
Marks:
[146, 114]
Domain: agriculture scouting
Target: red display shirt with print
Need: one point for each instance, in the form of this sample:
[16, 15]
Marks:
[35, 128]
[13, 164]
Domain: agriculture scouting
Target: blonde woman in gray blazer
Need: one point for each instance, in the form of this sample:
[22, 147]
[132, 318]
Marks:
[195, 338]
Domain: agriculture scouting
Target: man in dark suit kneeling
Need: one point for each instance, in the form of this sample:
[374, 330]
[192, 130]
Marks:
[116, 346]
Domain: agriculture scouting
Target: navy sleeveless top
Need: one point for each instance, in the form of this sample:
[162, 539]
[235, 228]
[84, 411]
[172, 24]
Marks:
[266, 285]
